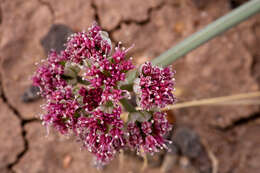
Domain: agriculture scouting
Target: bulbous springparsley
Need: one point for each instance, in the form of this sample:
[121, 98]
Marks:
[82, 86]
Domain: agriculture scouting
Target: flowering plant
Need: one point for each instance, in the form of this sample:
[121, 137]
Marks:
[86, 87]
[85, 96]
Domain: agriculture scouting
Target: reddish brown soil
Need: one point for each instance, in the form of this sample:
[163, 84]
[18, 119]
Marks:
[229, 64]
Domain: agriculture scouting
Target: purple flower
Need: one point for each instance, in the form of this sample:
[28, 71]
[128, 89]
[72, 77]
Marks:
[48, 77]
[154, 87]
[149, 135]
[82, 88]
[61, 115]
[153, 143]
[109, 71]
[91, 98]
[161, 124]
[135, 138]
[147, 128]
[102, 133]
[94, 45]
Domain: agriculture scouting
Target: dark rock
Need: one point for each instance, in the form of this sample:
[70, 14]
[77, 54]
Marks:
[56, 38]
[203, 163]
[31, 94]
[188, 141]
[190, 145]
[173, 148]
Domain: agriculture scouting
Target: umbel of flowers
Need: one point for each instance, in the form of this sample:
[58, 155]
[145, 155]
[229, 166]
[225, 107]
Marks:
[83, 85]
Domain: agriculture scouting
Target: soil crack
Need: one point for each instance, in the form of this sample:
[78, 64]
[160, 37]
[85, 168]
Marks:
[1, 15]
[48, 5]
[94, 6]
[254, 56]
[126, 21]
[142, 22]
[240, 122]
[22, 124]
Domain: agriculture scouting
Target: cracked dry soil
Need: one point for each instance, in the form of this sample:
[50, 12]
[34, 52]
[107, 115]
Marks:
[228, 64]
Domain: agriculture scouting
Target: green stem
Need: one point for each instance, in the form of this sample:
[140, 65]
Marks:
[209, 32]
[81, 81]
[130, 79]
[128, 87]
[212, 30]
[127, 105]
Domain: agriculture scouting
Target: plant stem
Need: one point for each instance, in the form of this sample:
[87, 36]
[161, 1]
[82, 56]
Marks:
[81, 81]
[209, 32]
[242, 99]
[128, 87]
[130, 79]
[127, 105]
[212, 30]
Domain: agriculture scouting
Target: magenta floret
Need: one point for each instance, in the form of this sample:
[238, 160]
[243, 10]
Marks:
[48, 76]
[102, 133]
[154, 87]
[88, 45]
[148, 136]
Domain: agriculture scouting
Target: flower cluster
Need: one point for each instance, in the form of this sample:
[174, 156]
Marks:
[154, 87]
[48, 76]
[148, 135]
[102, 133]
[94, 45]
[83, 89]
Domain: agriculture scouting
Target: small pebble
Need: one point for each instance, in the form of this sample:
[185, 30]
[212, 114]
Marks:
[31, 94]
[67, 161]
[184, 162]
